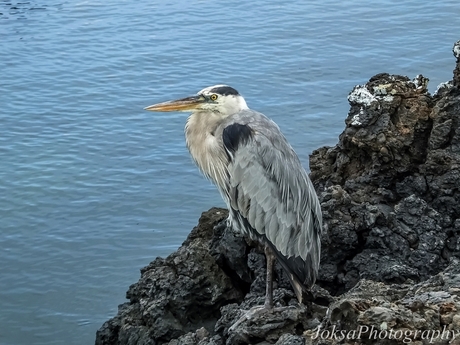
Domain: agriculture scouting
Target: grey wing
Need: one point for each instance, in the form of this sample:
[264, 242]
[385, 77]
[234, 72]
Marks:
[270, 196]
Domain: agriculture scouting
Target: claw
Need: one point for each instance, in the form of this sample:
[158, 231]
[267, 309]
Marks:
[249, 314]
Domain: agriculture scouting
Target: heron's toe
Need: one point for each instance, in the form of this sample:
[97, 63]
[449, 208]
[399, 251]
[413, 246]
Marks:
[257, 312]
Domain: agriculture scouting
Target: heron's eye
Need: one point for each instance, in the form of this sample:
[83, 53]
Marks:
[213, 97]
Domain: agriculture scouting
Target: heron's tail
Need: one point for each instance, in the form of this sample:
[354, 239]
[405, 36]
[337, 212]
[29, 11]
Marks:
[301, 273]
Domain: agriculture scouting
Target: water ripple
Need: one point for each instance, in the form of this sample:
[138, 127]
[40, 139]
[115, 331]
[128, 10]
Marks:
[92, 187]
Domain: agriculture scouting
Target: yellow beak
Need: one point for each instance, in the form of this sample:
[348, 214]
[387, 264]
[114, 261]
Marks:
[184, 104]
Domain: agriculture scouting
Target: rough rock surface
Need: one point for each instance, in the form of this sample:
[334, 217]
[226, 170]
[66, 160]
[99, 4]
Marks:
[373, 312]
[389, 192]
[182, 292]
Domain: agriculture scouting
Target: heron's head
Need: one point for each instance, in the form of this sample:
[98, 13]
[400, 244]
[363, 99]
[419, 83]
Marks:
[221, 100]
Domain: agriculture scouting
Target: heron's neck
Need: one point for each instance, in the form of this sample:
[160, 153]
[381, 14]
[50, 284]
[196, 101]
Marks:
[204, 141]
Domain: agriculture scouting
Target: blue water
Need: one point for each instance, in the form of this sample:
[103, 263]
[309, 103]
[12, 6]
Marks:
[92, 187]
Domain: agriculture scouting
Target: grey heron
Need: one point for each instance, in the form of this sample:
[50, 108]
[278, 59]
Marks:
[268, 193]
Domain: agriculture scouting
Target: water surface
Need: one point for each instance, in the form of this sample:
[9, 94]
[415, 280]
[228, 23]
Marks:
[92, 188]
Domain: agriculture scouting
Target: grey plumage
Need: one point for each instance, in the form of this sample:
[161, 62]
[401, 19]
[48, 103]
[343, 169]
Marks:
[271, 198]
[267, 191]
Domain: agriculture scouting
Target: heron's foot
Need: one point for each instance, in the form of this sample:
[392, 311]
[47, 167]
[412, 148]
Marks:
[250, 314]
[257, 312]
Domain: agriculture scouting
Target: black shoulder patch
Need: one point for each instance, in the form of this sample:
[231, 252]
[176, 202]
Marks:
[235, 135]
[225, 91]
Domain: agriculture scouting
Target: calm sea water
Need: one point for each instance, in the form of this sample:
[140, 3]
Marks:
[92, 187]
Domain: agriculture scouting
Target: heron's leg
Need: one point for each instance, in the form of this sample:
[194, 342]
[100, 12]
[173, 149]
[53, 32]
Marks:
[268, 306]
[269, 283]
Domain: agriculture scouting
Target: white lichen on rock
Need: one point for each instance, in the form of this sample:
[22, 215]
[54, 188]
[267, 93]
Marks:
[361, 95]
[381, 90]
[416, 81]
[355, 121]
[420, 82]
[442, 86]
[456, 49]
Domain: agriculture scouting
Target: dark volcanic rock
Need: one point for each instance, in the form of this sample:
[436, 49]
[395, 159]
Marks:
[413, 312]
[390, 188]
[180, 293]
[456, 51]
[389, 192]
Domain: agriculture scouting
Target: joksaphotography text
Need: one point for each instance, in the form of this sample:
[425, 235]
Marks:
[374, 333]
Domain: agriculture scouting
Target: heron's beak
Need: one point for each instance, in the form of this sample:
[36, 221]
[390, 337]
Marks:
[184, 104]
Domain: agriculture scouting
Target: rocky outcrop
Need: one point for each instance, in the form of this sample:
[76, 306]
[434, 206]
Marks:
[182, 292]
[373, 312]
[389, 192]
[390, 187]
